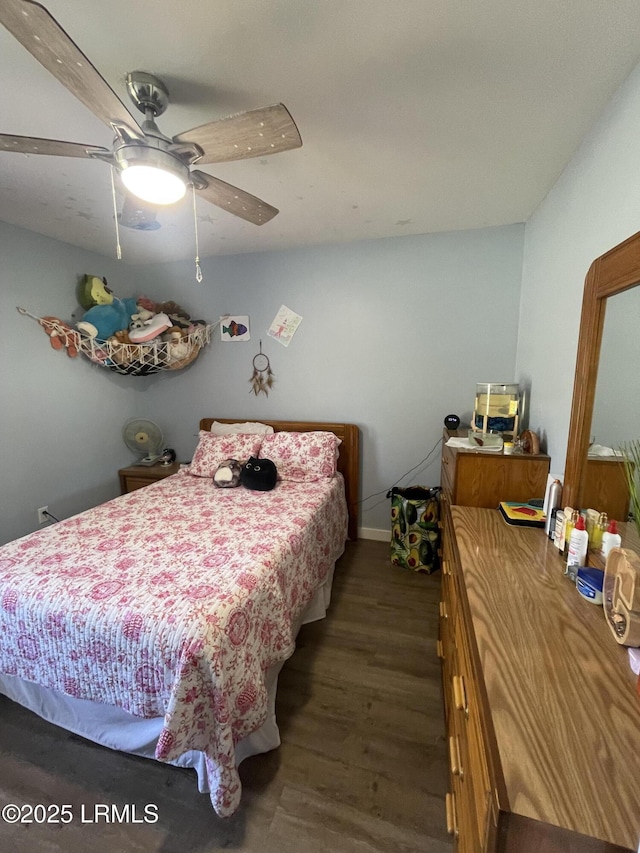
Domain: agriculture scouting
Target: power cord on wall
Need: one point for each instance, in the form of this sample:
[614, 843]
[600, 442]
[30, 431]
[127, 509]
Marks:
[387, 492]
[48, 515]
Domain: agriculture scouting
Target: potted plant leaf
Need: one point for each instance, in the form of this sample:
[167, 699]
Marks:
[631, 460]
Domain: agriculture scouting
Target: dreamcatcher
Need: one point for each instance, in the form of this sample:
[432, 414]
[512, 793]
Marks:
[262, 378]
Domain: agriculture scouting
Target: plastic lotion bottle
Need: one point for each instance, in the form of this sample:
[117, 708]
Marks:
[569, 524]
[578, 544]
[598, 530]
[610, 538]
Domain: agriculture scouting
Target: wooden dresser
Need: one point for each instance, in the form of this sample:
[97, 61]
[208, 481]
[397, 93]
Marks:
[543, 717]
[605, 487]
[484, 478]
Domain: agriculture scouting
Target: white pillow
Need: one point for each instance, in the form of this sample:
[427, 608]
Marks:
[248, 428]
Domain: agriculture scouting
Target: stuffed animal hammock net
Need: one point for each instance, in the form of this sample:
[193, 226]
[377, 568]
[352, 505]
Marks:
[131, 359]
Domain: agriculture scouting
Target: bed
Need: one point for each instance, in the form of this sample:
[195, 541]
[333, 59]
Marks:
[157, 623]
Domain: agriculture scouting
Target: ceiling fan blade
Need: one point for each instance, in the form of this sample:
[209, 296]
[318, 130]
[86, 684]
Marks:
[251, 134]
[230, 198]
[38, 31]
[34, 145]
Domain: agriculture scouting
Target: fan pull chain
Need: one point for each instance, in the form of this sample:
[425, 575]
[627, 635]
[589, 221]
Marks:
[115, 216]
[195, 226]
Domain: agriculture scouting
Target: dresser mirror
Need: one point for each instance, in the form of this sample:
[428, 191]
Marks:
[616, 406]
[609, 351]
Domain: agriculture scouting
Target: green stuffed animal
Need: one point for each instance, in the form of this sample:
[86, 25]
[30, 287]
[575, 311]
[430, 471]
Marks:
[94, 291]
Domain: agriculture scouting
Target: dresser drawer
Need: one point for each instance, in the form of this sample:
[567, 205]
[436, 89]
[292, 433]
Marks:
[462, 783]
[447, 654]
[133, 483]
[468, 719]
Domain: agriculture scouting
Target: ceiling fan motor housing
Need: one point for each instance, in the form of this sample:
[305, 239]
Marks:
[147, 92]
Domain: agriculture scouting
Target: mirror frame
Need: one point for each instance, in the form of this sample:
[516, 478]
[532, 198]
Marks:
[614, 272]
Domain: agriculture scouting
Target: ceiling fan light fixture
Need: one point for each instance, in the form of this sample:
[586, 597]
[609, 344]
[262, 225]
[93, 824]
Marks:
[153, 185]
[152, 175]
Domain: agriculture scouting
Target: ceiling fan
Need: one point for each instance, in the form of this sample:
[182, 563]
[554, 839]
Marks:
[153, 167]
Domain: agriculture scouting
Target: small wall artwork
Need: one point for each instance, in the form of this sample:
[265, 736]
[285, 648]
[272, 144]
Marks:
[234, 327]
[284, 325]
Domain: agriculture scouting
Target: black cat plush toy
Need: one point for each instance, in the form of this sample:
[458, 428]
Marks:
[259, 474]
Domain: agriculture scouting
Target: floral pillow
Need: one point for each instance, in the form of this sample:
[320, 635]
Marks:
[213, 450]
[302, 456]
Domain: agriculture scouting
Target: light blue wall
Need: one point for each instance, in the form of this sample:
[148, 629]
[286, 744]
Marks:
[60, 429]
[594, 205]
[396, 332]
[395, 335]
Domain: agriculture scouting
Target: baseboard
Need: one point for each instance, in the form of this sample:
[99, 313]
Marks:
[374, 533]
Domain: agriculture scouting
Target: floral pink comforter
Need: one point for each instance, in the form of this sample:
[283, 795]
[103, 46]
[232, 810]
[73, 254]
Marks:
[172, 601]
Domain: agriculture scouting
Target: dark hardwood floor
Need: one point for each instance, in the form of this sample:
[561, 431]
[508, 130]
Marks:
[362, 767]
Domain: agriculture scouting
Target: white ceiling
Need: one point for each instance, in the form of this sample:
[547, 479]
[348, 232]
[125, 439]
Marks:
[416, 116]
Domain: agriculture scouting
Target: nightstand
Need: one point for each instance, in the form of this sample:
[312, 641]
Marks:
[137, 476]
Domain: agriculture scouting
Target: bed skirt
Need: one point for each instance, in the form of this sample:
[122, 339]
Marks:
[117, 729]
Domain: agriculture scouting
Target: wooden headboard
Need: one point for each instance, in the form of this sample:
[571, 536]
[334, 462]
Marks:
[348, 460]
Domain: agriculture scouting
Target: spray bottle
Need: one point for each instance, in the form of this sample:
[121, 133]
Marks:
[554, 496]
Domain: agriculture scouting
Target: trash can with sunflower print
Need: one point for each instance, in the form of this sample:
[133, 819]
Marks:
[415, 535]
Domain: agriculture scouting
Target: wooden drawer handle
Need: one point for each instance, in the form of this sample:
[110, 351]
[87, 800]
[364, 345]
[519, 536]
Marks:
[443, 611]
[460, 694]
[445, 568]
[452, 823]
[454, 756]
[440, 649]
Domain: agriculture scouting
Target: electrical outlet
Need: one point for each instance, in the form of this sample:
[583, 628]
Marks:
[42, 518]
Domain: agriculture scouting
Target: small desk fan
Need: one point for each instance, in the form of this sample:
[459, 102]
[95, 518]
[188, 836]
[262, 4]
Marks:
[143, 437]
